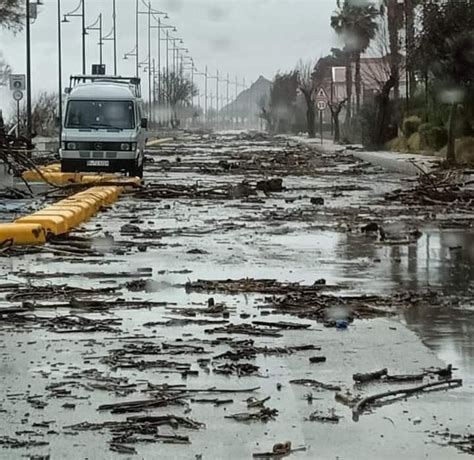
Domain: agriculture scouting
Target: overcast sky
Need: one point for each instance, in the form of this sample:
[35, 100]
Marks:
[246, 38]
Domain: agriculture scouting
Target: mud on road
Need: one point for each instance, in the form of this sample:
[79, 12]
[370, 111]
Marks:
[242, 299]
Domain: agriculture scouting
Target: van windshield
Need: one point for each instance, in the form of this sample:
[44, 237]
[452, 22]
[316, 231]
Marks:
[100, 114]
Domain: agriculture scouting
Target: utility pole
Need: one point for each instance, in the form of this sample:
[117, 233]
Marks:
[114, 17]
[136, 39]
[227, 97]
[60, 75]
[28, 72]
[236, 113]
[150, 111]
[101, 43]
[84, 32]
[159, 61]
[205, 94]
[217, 98]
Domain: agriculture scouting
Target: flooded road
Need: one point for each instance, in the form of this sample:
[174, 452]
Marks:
[406, 299]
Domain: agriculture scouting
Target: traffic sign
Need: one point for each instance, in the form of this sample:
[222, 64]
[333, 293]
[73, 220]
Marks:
[321, 95]
[321, 105]
[17, 95]
[18, 82]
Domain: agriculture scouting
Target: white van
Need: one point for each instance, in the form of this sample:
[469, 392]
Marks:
[104, 129]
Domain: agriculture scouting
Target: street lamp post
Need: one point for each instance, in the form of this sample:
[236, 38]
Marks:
[112, 36]
[97, 25]
[160, 26]
[227, 96]
[28, 73]
[28, 17]
[60, 75]
[217, 97]
[205, 92]
[74, 13]
[149, 12]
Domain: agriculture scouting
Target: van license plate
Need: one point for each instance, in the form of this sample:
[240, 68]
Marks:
[98, 163]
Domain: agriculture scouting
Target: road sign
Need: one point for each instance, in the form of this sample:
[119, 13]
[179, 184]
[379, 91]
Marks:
[17, 95]
[321, 95]
[98, 69]
[321, 105]
[17, 82]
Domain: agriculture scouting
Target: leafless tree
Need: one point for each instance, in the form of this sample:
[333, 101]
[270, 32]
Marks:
[43, 115]
[307, 89]
[381, 72]
[11, 14]
[335, 108]
[176, 90]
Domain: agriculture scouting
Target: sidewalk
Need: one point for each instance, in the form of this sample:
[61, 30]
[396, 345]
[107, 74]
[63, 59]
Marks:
[404, 163]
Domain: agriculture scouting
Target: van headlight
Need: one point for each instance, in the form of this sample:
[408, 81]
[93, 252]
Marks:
[71, 146]
[125, 146]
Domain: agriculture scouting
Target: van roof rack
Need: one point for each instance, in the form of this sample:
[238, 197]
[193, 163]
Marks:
[133, 82]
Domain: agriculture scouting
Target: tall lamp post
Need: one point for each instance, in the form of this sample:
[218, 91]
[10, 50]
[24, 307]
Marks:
[160, 26]
[112, 35]
[60, 75]
[97, 25]
[205, 75]
[149, 11]
[217, 97]
[30, 8]
[82, 14]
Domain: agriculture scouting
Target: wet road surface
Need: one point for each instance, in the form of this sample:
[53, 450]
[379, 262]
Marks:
[199, 221]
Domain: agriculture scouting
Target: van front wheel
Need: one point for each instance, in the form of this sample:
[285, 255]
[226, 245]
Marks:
[137, 171]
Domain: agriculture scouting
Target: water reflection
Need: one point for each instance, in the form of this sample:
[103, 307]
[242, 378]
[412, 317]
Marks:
[439, 259]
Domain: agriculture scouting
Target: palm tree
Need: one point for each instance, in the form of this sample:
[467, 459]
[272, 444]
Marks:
[357, 25]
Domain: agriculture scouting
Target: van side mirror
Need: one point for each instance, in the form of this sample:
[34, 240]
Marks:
[57, 121]
[144, 123]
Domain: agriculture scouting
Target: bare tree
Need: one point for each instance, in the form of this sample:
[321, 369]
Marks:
[307, 88]
[381, 72]
[11, 14]
[335, 108]
[43, 115]
[5, 71]
[176, 90]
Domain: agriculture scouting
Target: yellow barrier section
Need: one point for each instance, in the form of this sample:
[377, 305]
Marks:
[71, 217]
[59, 218]
[159, 141]
[53, 174]
[22, 234]
[57, 225]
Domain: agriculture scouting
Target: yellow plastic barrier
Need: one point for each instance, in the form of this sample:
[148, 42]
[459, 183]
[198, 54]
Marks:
[104, 194]
[56, 225]
[73, 218]
[59, 218]
[21, 234]
[87, 209]
[92, 204]
[159, 141]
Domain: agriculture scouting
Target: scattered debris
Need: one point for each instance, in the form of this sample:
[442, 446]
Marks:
[381, 398]
[263, 415]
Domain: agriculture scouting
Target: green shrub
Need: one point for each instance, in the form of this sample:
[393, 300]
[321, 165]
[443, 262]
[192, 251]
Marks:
[414, 143]
[464, 148]
[437, 137]
[399, 144]
[424, 132]
[411, 125]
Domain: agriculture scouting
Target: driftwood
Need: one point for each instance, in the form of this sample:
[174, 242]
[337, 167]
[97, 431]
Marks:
[316, 384]
[405, 392]
[319, 417]
[279, 450]
[370, 376]
[264, 415]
